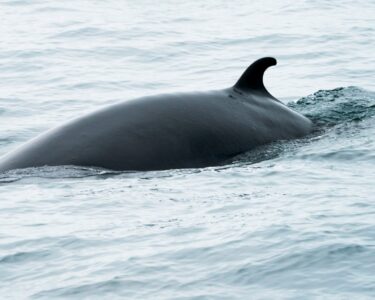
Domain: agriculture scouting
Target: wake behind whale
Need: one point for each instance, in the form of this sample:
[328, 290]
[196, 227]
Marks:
[184, 130]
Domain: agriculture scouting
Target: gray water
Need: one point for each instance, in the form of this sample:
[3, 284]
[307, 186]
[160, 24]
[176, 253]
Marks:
[292, 220]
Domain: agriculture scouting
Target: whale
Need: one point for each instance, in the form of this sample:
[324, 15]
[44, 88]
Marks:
[168, 131]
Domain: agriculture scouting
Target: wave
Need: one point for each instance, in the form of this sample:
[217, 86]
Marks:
[328, 108]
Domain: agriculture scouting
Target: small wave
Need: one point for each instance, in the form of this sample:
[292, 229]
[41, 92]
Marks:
[268, 152]
[67, 171]
[296, 264]
[343, 119]
[19, 3]
[52, 172]
[114, 286]
[328, 108]
[22, 257]
[84, 32]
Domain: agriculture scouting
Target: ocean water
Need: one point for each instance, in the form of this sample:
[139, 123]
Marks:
[291, 220]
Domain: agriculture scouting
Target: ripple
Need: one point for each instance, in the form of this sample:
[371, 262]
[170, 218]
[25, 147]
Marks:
[24, 257]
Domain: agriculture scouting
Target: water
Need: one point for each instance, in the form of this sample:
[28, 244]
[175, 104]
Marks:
[288, 221]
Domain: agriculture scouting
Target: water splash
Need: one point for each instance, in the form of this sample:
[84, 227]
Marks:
[328, 108]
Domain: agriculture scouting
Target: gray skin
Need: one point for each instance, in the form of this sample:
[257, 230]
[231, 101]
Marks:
[184, 130]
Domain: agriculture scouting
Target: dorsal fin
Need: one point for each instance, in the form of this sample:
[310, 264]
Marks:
[252, 78]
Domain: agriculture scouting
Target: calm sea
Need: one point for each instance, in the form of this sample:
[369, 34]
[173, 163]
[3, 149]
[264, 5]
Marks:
[292, 220]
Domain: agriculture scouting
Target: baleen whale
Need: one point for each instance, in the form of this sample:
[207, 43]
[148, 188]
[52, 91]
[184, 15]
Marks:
[168, 131]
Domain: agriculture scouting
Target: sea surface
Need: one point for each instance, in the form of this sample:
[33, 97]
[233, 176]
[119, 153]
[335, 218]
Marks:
[291, 220]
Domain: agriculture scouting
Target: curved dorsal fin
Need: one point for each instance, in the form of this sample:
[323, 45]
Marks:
[252, 78]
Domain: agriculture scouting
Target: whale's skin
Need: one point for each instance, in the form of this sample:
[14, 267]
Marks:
[168, 131]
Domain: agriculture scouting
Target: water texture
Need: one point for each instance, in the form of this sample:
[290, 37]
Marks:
[291, 220]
